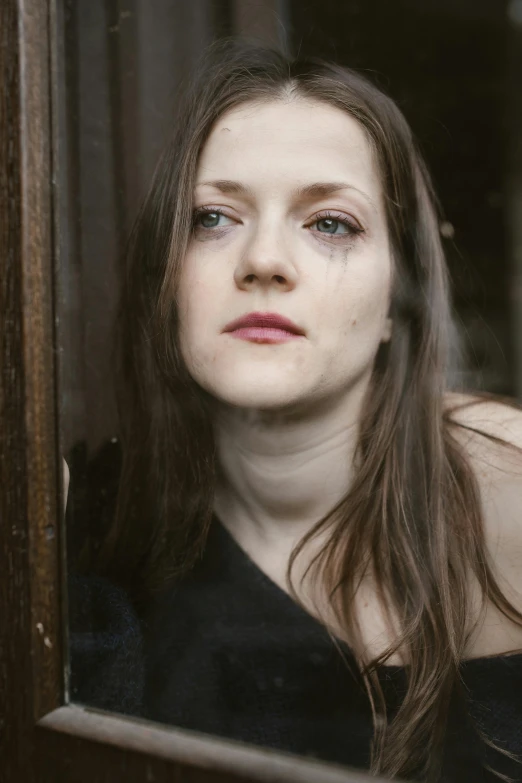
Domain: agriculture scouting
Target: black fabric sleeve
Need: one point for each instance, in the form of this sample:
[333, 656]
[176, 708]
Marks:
[105, 635]
[105, 646]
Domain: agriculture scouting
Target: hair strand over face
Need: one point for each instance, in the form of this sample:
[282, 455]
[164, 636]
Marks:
[418, 532]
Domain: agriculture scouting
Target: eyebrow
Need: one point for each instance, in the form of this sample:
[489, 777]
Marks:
[315, 190]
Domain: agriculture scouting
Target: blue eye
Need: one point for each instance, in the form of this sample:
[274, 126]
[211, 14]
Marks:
[211, 218]
[330, 226]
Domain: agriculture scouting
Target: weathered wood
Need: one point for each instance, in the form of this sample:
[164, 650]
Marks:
[42, 457]
[15, 683]
[161, 754]
[40, 738]
[31, 662]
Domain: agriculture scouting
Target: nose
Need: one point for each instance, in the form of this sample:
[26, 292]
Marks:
[266, 259]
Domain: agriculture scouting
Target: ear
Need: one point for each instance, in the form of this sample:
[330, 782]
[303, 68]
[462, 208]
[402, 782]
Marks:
[387, 330]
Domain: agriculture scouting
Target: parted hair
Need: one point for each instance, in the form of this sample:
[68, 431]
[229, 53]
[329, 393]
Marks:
[412, 516]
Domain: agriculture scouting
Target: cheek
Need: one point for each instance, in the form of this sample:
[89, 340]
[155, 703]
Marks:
[196, 296]
[359, 304]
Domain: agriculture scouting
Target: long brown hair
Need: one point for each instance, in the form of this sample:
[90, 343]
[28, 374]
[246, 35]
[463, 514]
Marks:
[419, 529]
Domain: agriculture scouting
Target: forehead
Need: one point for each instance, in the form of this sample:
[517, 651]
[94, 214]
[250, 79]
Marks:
[297, 139]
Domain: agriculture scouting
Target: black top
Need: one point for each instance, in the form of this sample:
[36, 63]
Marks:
[229, 653]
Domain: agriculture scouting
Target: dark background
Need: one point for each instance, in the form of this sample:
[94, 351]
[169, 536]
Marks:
[444, 62]
[454, 67]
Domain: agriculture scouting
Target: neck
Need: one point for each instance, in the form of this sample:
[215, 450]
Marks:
[280, 473]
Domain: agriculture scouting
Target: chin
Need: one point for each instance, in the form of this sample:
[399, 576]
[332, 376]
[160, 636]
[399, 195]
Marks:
[256, 397]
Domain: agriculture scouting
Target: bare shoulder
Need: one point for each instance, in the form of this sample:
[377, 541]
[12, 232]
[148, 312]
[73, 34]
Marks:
[490, 433]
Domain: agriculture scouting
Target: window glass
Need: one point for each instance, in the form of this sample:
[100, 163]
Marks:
[370, 195]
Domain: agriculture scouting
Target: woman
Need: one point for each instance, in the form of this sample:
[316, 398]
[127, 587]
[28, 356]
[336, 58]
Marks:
[304, 508]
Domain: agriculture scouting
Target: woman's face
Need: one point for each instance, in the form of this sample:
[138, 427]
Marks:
[289, 219]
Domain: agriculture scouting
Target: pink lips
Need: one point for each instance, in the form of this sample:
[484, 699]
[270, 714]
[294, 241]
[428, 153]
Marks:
[264, 327]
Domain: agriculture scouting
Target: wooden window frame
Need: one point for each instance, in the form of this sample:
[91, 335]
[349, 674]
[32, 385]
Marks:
[42, 738]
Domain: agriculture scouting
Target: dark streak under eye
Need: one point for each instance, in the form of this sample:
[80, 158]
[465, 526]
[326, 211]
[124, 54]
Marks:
[215, 232]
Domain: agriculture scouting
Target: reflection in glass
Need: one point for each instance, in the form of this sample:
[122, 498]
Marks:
[283, 539]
